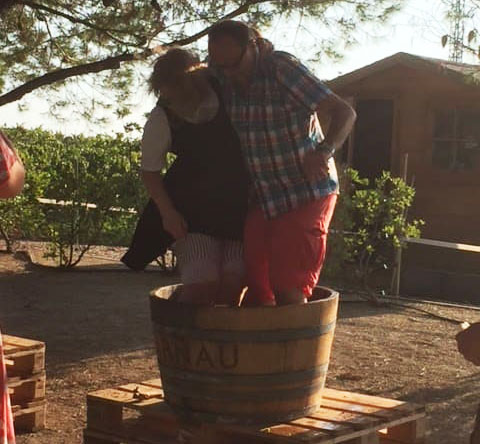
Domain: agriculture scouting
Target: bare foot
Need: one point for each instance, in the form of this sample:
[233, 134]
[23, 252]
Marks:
[290, 297]
[249, 300]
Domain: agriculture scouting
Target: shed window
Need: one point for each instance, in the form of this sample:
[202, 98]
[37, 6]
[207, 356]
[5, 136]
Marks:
[456, 139]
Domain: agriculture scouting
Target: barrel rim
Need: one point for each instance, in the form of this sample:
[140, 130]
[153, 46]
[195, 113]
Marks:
[334, 294]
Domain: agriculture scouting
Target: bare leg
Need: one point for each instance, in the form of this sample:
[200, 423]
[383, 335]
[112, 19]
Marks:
[256, 243]
[232, 274]
[201, 293]
[198, 256]
[230, 290]
[250, 300]
[290, 297]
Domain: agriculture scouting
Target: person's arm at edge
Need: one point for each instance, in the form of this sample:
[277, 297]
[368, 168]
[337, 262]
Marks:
[468, 343]
[14, 184]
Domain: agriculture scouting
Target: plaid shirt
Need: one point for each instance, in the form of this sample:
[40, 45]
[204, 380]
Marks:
[277, 125]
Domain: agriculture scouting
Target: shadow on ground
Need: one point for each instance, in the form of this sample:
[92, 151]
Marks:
[438, 400]
[80, 315]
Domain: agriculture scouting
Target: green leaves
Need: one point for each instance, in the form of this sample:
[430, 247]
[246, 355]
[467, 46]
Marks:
[44, 36]
[369, 223]
[97, 180]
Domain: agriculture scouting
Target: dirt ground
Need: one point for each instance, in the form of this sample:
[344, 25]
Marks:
[95, 322]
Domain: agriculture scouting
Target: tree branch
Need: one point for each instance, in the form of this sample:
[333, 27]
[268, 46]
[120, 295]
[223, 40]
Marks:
[63, 74]
[240, 10]
[73, 19]
[110, 62]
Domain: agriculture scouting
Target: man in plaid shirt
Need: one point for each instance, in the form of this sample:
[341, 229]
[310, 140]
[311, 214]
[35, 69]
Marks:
[276, 105]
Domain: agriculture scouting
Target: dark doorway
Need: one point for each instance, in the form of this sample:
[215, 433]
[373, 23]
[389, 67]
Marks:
[373, 137]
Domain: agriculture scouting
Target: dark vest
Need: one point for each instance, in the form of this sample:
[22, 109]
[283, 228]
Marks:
[207, 183]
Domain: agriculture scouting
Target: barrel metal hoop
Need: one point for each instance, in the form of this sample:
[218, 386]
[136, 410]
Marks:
[210, 394]
[243, 380]
[249, 336]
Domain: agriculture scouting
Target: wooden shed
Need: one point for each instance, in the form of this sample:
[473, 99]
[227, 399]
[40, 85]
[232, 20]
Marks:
[427, 111]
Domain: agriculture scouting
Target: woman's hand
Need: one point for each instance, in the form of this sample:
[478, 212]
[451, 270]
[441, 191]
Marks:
[175, 224]
[172, 220]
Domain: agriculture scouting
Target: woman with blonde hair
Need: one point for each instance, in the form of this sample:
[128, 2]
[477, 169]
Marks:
[202, 199]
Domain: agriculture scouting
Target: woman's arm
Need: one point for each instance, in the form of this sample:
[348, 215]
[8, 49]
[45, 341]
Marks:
[172, 220]
[156, 142]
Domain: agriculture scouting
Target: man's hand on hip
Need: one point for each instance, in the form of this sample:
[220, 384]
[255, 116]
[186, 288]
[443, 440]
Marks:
[315, 165]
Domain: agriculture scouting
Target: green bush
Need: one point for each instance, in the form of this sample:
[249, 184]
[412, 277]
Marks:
[76, 170]
[368, 225]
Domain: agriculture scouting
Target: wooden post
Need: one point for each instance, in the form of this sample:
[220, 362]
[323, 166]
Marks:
[412, 432]
[398, 250]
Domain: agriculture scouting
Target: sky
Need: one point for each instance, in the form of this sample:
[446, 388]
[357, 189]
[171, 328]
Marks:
[417, 30]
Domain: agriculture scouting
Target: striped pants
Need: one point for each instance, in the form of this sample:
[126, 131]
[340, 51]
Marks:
[203, 258]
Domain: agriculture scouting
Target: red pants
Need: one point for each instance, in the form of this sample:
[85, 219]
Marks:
[287, 252]
[7, 433]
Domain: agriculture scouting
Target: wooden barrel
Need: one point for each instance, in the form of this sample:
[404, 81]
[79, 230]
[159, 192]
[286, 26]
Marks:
[243, 365]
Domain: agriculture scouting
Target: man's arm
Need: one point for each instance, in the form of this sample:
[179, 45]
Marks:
[336, 118]
[335, 115]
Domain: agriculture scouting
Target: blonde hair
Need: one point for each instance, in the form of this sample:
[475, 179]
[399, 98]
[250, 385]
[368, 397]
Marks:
[171, 66]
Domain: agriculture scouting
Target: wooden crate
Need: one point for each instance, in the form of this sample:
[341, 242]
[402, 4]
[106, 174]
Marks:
[27, 356]
[30, 417]
[25, 390]
[136, 414]
[25, 359]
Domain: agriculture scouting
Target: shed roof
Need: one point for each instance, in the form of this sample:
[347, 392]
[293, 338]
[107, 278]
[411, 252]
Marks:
[462, 72]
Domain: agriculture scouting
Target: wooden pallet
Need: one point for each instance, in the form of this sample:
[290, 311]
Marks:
[25, 390]
[30, 417]
[25, 359]
[24, 356]
[136, 414]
